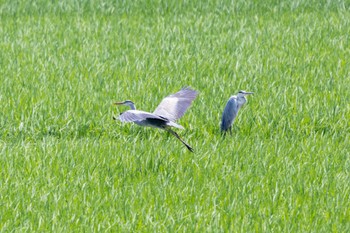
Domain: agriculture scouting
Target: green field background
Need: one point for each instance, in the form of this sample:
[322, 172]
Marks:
[66, 166]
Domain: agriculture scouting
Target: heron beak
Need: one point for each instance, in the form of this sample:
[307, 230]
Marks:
[118, 103]
[249, 93]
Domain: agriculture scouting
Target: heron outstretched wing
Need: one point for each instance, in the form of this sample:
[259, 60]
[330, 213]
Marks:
[136, 116]
[174, 106]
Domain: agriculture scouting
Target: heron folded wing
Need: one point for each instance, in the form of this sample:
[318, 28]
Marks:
[174, 106]
[230, 113]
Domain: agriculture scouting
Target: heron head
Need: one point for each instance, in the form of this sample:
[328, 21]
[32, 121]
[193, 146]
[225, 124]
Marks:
[244, 93]
[127, 103]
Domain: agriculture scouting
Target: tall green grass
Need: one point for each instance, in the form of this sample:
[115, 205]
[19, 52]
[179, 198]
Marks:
[66, 166]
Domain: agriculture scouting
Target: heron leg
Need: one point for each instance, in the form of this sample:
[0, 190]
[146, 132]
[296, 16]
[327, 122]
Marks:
[178, 137]
[223, 133]
[230, 130]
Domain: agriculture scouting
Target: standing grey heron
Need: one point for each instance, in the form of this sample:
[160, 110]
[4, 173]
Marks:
[168, 111]
[232, 107]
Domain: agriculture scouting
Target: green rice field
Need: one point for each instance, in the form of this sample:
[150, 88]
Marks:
[66, 166]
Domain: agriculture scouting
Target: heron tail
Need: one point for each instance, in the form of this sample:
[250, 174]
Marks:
[178, 137]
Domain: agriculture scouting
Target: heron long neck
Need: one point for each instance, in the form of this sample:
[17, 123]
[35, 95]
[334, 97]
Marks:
[241, 100]
[132, 106]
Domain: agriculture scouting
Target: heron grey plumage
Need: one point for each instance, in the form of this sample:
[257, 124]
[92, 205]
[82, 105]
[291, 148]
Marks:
[232, 107]
[168, 111]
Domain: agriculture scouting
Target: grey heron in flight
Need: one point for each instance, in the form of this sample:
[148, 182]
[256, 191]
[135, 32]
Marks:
[168, 111]
[232, 107]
